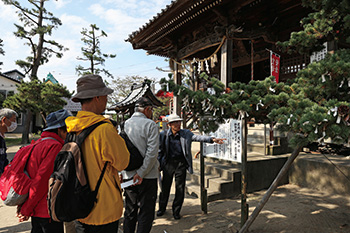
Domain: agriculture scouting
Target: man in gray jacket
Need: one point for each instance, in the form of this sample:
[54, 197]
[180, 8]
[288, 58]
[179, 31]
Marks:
[175, 157]
[140, 199]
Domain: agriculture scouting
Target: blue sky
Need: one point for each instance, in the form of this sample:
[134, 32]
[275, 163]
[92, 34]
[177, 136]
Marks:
[118, 18]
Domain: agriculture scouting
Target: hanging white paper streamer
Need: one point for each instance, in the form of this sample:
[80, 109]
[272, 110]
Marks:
[179, 91]
[341, 83]
[257, 106]
[323, 136]
[306, 122]
[288, 121]
[242, 114]
[207, 66]
[272, 90]
[323, 78]
[338, 119]
[199, 67]
[335, 110]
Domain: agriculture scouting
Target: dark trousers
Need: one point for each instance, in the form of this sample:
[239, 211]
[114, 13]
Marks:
[46, 225]
[140, 201]
[177, 168]
[106, 228]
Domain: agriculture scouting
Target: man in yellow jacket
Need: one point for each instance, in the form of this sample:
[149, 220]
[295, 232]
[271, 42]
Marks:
[103, 145]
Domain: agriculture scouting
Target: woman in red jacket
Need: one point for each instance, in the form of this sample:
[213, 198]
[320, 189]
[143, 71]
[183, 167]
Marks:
[40, 167]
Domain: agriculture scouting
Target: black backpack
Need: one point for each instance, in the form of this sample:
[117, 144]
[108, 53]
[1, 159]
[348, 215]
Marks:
[70, 196]
[136, 159]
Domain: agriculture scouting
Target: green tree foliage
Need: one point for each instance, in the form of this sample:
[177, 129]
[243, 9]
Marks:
[92, 52]
[36, 26]
[320, 109]
[329, 21]
[214, 105]
[2, 52]
[38, 97]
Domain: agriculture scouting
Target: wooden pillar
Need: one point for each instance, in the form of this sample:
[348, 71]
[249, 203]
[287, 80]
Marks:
[177, 80]
[226, 62]
[244, 173]
[252, 59]
[203, 190]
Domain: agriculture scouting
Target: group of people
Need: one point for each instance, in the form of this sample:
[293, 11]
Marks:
[168, 152]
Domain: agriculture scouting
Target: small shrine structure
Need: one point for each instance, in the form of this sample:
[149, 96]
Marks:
[127, 105]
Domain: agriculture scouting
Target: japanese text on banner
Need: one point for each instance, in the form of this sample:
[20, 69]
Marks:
[275, 65]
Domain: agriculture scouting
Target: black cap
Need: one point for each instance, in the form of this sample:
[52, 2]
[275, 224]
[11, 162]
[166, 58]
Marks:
[143, 102]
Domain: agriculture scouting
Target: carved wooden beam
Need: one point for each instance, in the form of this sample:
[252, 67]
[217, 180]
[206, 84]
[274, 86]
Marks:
[259, 56]
[196, 46]
[222, 19]
[253, 34]
[241, 50]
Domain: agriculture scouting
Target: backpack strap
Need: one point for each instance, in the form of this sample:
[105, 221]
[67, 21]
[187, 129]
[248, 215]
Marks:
[100, 179]
[79, 140]
[48, 138]
[81, 137]
[31, 150]
[30, 153]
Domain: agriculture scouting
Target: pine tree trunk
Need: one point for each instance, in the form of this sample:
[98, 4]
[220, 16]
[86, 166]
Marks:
[271, 189]
[25, 133]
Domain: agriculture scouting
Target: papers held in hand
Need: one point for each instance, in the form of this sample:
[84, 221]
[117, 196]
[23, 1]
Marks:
[127, 183]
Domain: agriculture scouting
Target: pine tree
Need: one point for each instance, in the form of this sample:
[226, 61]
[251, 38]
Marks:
[37, 23]
[324, 85]
[92, 52]
[2, 52]
[38, 97]
[213, 106]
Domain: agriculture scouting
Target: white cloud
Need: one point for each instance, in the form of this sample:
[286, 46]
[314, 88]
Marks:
[8, 13]
[72, 24]
[118, 18]
[61, 3]
[125, 18]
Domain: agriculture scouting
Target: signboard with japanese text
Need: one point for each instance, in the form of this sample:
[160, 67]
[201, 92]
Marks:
[232, 148]
[320, 55]
[275, 65]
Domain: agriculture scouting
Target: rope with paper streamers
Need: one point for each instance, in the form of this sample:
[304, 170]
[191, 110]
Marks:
[202, 61]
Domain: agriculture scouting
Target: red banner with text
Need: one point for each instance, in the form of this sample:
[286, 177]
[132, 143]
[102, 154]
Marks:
[275, 65]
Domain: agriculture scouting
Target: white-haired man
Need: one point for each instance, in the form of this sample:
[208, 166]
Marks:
[8, 123]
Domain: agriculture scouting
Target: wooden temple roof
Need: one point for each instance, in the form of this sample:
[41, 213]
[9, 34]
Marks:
[137, 91]
[188, 29]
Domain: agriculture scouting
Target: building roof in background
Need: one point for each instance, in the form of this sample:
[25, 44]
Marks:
[50, 79]
[72, 106]
[137, 91]
[13, 75]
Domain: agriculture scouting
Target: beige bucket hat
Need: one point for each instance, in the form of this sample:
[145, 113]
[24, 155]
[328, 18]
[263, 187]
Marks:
[173, 118]
[89, 86]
